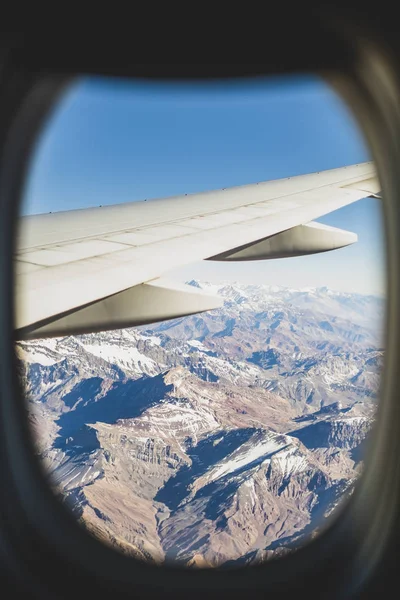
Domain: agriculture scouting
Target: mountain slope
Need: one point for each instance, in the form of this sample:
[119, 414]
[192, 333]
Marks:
[216, 439]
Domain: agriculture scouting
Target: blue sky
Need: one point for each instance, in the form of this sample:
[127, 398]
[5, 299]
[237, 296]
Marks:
[109, 142]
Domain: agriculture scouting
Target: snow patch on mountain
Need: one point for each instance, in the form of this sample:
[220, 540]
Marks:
[290, 460]
[247, 454]
[125, 357]
[36, 353]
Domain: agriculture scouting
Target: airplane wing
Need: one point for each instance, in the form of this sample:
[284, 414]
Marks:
[103, 268]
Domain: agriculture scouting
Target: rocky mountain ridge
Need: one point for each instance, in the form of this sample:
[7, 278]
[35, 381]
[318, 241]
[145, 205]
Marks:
[212, 439]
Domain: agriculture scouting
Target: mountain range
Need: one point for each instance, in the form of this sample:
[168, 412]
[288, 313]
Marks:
[219, 439]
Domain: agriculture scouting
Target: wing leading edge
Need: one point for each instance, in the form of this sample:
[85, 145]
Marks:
[103, 268]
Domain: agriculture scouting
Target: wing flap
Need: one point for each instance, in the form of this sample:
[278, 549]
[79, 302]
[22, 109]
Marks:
[148, 302]
[301, 240]
[370, 186]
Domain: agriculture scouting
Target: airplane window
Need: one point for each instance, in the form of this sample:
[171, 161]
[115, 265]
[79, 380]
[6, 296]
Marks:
[201, 361]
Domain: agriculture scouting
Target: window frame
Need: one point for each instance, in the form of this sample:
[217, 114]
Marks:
[37, 530]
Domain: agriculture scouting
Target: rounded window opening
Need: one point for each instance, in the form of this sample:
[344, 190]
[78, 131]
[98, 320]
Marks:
[201, 372]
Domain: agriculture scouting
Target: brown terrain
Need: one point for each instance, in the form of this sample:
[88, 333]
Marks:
[219, 439]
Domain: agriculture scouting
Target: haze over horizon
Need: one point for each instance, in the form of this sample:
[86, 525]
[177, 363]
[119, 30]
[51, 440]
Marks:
[218, 283]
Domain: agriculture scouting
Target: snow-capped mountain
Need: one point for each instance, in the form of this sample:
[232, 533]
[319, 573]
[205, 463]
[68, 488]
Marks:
[225, 436]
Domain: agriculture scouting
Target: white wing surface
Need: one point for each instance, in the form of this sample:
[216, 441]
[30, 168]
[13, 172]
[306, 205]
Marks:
[102, 268]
